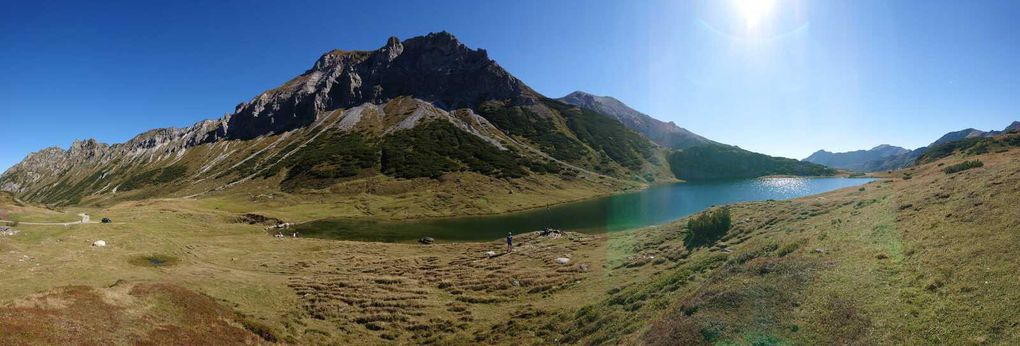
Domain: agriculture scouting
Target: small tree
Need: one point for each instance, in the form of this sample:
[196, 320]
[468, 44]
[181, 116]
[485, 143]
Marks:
[708, 227]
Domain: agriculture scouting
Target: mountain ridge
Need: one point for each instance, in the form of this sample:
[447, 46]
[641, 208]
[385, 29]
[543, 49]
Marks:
[369, 100]
[886, 157]
[666, 134]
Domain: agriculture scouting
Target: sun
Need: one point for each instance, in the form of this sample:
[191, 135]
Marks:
[754, 11]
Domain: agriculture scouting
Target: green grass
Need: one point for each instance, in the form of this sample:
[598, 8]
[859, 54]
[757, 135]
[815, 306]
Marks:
[845, 267]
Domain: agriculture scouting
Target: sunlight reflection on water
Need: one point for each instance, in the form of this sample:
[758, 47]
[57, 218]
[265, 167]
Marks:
[786, 186]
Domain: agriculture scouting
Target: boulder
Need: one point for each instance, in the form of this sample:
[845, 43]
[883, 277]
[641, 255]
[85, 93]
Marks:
[99, 243]
[490, 253]
[563, 260]
[427, 240]
[550, 232]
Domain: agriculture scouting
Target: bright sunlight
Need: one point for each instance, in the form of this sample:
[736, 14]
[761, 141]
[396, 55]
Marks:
[754, 11]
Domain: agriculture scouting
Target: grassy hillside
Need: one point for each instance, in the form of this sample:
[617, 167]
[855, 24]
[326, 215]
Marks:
[924, 260]
[720, 161]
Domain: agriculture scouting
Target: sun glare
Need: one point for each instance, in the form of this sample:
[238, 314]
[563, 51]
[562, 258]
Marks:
[754, 11]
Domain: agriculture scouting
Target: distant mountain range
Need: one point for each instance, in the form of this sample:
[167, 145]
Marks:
[420, 108]
[695, 157]
[887, 157]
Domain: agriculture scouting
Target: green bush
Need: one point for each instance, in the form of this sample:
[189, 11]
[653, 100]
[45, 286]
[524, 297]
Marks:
[708, 227]
[963, 166]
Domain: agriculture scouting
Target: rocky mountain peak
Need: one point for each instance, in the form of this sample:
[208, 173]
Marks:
[436, 68]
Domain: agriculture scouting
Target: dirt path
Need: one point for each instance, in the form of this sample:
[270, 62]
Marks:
[79, 222]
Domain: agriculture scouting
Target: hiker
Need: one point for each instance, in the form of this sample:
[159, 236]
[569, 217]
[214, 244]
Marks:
[509, 242]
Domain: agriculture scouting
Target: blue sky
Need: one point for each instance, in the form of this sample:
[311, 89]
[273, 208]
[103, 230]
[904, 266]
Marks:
[792, 78]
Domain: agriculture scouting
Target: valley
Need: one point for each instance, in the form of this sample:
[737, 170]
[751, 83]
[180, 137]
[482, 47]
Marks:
[840, 267]
[366, 199]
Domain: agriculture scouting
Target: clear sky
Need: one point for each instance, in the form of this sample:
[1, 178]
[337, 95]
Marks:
[778, 77]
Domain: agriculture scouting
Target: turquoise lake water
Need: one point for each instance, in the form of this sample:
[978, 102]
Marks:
[655, 205]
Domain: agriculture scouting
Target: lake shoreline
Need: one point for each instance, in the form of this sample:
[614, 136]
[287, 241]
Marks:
[624, 211]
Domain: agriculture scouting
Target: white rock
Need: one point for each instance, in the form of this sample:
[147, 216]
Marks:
[99, 243]
[562, 260]
[490, 253]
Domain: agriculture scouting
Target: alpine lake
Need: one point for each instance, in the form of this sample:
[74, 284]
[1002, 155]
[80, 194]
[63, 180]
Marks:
[655, 205]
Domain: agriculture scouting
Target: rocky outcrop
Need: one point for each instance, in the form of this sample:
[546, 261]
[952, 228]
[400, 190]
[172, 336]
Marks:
[153, 145]
[436, 68]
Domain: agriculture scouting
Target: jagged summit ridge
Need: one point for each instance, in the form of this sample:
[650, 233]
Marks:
[421, 107]
[437, 68]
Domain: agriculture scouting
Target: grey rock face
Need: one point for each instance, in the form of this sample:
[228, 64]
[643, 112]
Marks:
[437, 68]
[146, 147]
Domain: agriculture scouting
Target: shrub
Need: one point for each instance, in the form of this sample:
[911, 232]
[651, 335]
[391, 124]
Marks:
[708, 227]
[963, 166]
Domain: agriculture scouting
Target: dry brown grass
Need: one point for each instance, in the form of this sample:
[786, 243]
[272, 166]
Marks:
[141, 314]
[926, 260]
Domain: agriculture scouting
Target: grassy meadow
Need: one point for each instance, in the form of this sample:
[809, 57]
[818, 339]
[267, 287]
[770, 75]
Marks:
[919, 256]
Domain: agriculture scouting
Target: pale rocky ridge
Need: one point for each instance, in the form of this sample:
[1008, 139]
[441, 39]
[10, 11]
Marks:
[36, 176]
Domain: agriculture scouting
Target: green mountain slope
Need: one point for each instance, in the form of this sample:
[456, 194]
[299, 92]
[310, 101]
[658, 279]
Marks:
[719, 161]
[471, 117]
